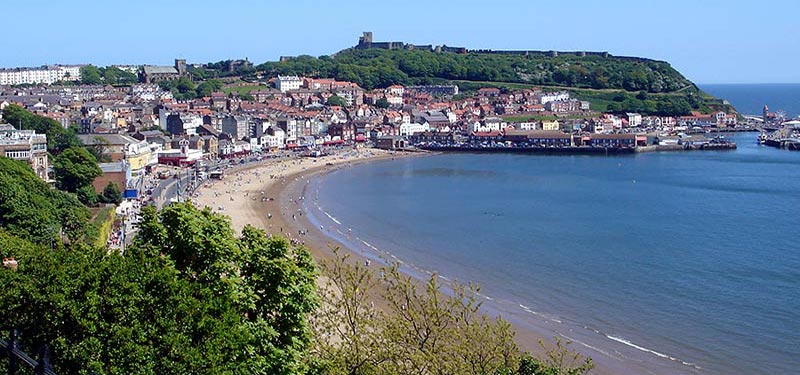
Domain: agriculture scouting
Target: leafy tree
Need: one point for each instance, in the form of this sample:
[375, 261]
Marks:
[111, 194]
[75, 168]
[58, 138]
[91, 75]
[422, 330]
[208, 87]
[32, 210]
[382, 103]
[116, 76]
[227, 306]
[336, 100]
[87, 195]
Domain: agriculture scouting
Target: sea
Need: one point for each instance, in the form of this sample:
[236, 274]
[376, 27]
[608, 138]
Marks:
[661, 263]
[750, 99]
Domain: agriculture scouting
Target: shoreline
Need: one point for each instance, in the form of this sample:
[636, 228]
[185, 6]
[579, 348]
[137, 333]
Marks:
[288, 202]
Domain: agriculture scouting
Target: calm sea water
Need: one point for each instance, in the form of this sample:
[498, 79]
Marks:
[751, 98]
[663, 262]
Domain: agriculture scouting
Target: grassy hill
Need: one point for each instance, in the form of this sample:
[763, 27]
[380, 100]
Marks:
[600, 78]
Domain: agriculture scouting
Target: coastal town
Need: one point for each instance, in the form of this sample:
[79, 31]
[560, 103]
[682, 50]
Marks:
[430, 188]
[170, 121]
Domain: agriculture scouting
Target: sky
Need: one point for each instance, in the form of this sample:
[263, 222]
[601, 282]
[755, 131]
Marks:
[709, 41]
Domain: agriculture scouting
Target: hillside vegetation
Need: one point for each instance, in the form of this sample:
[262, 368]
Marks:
[379, 68]
[610, 83]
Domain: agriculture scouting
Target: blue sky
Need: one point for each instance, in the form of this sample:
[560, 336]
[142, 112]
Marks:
[710, 41]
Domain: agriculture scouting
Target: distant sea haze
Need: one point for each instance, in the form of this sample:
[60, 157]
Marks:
[663, 263]
[750, 98]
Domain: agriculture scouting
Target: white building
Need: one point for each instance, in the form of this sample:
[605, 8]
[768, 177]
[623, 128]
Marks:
[634, 119]
[274, 137]
[27, 146]
[528, 125]
[46, 75]
[547, 97]
[287, 83]
[412, 128]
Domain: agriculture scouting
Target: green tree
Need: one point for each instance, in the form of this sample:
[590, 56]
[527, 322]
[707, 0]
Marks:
[87, 195]
[382, 103]
[75, 168]
[91, 75]
[58, 138]
[32, 210]
[336, 100]
[111, 194]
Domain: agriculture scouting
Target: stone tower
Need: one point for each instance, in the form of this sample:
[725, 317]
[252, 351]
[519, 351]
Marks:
[365, 41]
[765, 113]
[180, 66]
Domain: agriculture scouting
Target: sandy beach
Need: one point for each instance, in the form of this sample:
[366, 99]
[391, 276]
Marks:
[272, 196]
[259, 195]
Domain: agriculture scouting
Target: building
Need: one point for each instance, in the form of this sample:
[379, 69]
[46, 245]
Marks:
[183, 123]
[391, 142]
[634, 119]
[539, 138]
[154, 74]
[546, 97]
[237, 127]
[288, 83]
[117, 173]
[435, 89]
[27, 146]
[42, 75]
[618, 140]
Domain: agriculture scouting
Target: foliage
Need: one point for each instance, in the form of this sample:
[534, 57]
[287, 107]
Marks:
[111, 194]
[100, 227]
[92, 75]
[423, 329]
[182, 88]
[381, 68]
[75, 168]
[558, 359]
[382, 103]
[87, 195]
[336, 100]
[58, 138]
[226, 305]
[33, 211]
[206, 88]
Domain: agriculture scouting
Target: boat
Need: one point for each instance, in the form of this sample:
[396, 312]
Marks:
[762, 138]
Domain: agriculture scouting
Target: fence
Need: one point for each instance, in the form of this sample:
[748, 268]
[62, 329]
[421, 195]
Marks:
[10, 350]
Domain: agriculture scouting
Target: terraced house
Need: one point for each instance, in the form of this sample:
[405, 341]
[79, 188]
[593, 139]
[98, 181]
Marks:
[27, 146]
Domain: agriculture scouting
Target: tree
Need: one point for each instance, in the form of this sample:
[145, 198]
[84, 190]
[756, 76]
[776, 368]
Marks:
[30, 209]
[58, 138]
[208, 87]
[87, 195]
[422, 329]
[91, 75]
[111, 194]
[226, 306]
[336, 100]
[75, 168]
[382, 103]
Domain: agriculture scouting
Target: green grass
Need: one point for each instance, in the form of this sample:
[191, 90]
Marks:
[104, 222]
[243, 89]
